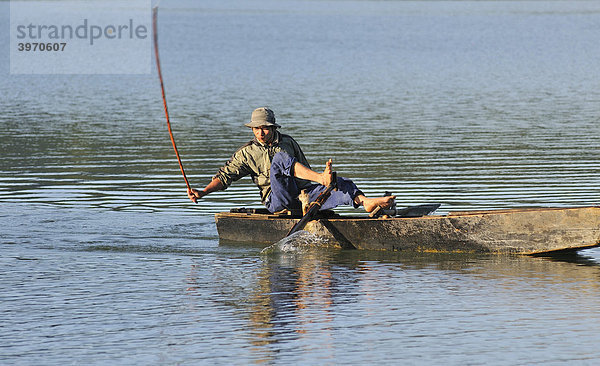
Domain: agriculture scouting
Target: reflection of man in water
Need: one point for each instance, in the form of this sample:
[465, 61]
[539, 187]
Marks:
[286, 299]
[280, 170]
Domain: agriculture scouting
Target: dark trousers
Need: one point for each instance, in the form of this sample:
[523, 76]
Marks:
[285, 191]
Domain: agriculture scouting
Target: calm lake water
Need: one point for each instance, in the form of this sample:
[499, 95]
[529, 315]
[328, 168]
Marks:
[475, 105]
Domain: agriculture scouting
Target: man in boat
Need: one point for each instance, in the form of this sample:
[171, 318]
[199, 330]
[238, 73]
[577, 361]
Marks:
[280, 170]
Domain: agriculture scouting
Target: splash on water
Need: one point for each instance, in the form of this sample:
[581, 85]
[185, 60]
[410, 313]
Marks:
[299, 242]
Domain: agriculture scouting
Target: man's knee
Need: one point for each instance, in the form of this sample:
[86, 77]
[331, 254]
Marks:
[282, 163]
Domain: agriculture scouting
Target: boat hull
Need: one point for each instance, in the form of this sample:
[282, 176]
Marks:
[513, 231]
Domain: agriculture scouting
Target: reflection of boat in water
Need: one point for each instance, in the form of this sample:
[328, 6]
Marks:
[295, 297]
[518, 231]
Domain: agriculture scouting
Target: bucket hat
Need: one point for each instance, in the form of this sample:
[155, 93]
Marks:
[262, 116]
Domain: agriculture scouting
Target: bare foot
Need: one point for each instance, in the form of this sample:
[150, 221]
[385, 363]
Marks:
[326, 175]
[371, 203]
[304, 200]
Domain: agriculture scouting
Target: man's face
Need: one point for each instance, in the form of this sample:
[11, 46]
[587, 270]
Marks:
[264, 134]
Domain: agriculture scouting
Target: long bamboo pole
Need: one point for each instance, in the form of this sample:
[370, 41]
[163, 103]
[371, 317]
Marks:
[162, 88]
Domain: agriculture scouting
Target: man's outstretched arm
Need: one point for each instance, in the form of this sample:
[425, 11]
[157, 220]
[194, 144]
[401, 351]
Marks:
[213, 186]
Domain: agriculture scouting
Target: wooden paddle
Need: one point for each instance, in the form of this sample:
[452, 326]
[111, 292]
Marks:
[314, 207]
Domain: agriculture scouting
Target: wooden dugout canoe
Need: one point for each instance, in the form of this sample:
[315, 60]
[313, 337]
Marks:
[511, 231]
